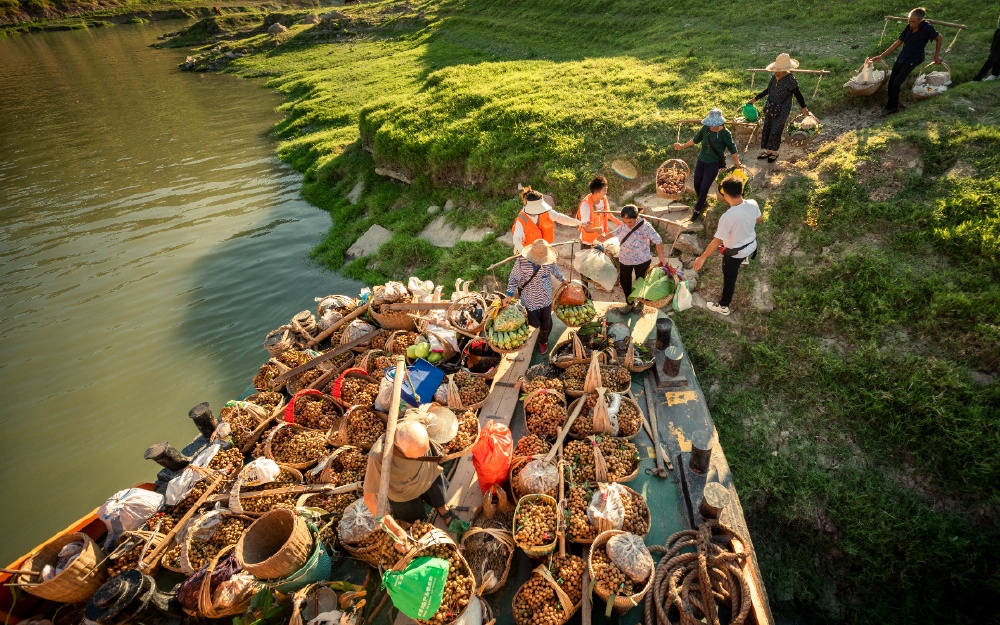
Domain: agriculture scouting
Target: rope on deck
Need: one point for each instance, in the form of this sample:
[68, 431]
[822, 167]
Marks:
[688, 588]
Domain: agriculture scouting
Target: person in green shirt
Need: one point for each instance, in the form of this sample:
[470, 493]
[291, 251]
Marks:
[714, 140]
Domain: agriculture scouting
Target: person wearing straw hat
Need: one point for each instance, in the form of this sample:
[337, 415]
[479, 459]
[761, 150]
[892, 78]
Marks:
[714, 140]
[537, 221]
[914, 38]
[531, 277]
[412, 482]
[779, 92]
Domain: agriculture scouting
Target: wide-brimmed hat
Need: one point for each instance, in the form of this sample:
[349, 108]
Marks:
[440, 422]
[540, 252]
[714, 118]
[535, 204]
[782, 63]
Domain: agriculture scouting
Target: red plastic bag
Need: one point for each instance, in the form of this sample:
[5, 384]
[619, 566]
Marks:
[491, 455]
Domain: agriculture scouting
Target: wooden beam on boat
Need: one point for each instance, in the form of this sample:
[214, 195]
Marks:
[333, 353]
[418, 306]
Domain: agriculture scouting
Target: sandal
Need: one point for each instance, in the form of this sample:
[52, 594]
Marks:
[762, 156]
[772, 158]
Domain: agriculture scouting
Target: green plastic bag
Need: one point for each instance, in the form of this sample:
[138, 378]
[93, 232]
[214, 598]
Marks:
[750, 112]
[418, 589]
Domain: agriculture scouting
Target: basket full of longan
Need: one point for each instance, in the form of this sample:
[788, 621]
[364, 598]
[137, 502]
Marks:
[552, 594]
[621, 570]
[536, 525]
[459, 588]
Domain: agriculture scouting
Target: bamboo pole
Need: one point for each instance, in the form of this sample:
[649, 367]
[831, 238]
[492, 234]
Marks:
[333, 353]
[390, 438]
[510, 258]
[297, 489]
[821, 72]
[147, 564]
[935, 22]
[679, 224]
[340, 324]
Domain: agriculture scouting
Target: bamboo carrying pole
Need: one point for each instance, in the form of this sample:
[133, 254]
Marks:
[821, 72]
[390, 438]
[935, 22]
[340, 324]
[333, 353]
[329, 489]
[147, 563]
[510, 258]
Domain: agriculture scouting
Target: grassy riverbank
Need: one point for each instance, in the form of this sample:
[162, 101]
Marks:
[860, 416]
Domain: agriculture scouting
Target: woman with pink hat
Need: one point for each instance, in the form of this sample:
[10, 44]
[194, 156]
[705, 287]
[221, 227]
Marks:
[779, 94]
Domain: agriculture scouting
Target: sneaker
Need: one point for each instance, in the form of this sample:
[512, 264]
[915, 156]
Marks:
[543, 348]
[695, 216]
[722, 310]
[746, 261]
[990, 77]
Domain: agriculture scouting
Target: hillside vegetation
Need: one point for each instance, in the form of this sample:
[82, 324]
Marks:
[861, 416]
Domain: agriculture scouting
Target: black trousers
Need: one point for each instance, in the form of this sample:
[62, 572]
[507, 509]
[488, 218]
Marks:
[541, 319]
[772, 128]
[900, 72]
[435, 496]
[730, 270]
[625, 273]
[992, 65]
[704, 176]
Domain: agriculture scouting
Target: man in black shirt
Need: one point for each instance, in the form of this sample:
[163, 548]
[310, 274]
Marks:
[914, 39]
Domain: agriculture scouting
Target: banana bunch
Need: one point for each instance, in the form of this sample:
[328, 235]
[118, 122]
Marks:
[513, 339]
[576, 315]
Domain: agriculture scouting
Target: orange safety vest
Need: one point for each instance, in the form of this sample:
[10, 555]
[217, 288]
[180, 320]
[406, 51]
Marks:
[597, 220]
[544, 229]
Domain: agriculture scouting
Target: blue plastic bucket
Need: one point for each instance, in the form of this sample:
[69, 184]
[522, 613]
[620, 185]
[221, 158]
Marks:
[425, 377]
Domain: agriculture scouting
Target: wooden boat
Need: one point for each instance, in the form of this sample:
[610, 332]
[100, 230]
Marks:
[677, 498]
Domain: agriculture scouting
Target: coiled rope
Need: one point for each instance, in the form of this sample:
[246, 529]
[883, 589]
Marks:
[689, 587]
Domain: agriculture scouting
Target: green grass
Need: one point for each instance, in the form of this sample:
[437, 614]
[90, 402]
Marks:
[861, 416]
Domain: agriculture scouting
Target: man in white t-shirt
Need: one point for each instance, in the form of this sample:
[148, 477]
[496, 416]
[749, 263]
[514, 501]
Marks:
[736, 236]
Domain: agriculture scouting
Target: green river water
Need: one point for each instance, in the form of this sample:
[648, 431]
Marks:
[149, 239]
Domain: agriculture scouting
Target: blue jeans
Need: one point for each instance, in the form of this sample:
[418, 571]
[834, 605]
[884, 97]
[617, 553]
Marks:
[704, 176]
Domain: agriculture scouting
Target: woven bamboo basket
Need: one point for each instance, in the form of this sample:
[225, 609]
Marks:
[262, 418]
[743, 130]
[327, 468]
[462, 303]
[168, 562]
[872, 88]
[74, 584]
[446, 456]
[279, 341]
[663, 302]
[579, 357]
[722, 175]
[268, 453]
[569, 609]
[506, 539]
[288, 413]
[277, 544]
[516, 464]
[544, 391]
[395, 348]
[632, 363]
[639, 507]
[489, 324]
[367, 360]
[603, 360]
[326, 370]
[236, 492]
[192, 529]
[559, 310]
[625, 399]
[304, 325]
[470, 360]
[206, 607]
[267, 372]
[797, 137]
[364, 347]
[673, 164]
[620, 603]
[342, 304]
[357, 373]
[455, 396]
[432, 538]
[140, 542]
[600, 464]
[347, 433]
[391, 319]
[538, 551]
[925, 70]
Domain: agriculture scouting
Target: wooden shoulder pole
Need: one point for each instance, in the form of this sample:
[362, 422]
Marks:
[339, 324]
[390, 437]
[935, 22]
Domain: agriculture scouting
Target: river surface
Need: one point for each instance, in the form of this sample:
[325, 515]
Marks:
[149, 239]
